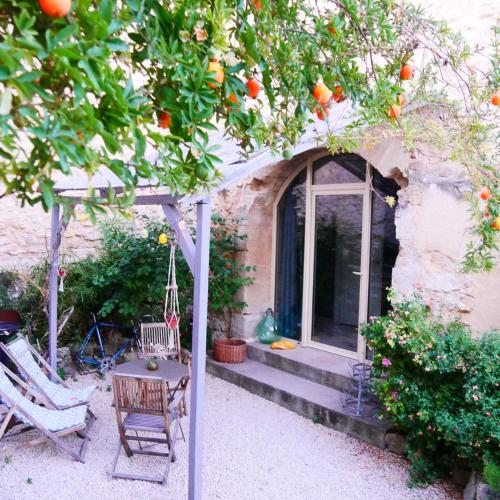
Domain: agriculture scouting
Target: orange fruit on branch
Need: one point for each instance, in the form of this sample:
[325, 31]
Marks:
[338, 94]
[322, 112]
[55, 8]
[406, 72]
[331, 28]
[232, 97]
[165, 120]
[215, 67]
[257, 4]
[321, 93]
[394, 111]
[495, 99]
[496, 224]
[253, 87]
[485, 194]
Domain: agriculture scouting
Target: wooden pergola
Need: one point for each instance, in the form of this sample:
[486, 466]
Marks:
[234, 168]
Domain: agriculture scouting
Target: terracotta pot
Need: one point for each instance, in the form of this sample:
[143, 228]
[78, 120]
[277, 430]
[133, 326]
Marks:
[230, 350]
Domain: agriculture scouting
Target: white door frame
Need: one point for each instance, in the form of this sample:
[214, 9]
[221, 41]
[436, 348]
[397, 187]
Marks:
[312, 191]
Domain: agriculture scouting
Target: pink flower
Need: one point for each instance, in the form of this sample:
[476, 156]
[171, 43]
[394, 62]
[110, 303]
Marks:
[395, 395]
[386, 362]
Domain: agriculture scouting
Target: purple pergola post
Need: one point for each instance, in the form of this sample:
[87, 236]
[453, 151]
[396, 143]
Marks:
[55, 240]
[199, 342]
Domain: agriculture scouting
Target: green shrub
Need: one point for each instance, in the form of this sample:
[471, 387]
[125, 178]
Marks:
[126, 279]
[438, 386]
[492, 475]
[7, 285]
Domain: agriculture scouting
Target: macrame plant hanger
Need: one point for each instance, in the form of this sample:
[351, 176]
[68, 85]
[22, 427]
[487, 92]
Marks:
[171, 311]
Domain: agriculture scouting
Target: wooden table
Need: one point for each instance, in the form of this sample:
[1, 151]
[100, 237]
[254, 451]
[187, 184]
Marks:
[171, 371]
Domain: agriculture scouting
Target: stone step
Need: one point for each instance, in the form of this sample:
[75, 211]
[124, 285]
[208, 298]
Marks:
[322, 367]
[315, 401]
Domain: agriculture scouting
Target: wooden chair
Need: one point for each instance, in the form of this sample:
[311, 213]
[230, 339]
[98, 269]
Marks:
[157, 340]
[22, 414]
[34, 370]
[145, 405]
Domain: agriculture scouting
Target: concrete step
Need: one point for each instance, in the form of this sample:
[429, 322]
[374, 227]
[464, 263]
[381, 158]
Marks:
[322, 367]
[315, 401]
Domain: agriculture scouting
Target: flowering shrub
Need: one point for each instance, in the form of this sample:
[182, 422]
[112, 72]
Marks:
[439, 386]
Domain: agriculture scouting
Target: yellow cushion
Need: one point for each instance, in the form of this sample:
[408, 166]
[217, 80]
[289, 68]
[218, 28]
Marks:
[283, 344]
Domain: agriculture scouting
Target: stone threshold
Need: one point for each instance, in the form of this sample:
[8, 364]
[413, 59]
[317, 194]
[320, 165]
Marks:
[320, 403]
[322, 367]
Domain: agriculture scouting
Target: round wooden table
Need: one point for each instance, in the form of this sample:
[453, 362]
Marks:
[171, 371]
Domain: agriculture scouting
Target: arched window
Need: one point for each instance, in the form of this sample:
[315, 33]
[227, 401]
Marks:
[335, 249]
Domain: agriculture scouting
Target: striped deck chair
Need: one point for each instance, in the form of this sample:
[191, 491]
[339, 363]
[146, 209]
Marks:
[34, 369]
[23, 414]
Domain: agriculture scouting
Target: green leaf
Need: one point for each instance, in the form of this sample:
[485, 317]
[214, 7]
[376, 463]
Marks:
[5, 73]
[29, 77]
[64, 34]
[47, 192]
[117, 45]
[87, 67]
[250, 40]
[106, 10]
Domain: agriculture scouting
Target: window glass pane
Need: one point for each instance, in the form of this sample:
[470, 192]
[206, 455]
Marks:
[384, 246]
[337, 265]
[290, 257]
[339, 169]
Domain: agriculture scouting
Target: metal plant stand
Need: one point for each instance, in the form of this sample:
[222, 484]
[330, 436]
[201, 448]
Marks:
[358, 399]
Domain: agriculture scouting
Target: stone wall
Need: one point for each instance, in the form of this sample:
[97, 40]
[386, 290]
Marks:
[25, 235]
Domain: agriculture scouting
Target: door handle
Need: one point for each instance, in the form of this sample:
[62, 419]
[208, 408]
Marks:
[357, 273]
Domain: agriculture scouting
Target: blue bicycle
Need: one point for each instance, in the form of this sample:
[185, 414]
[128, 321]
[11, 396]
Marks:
[103, 361]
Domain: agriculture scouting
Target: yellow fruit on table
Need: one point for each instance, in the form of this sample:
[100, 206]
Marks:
[162, 239]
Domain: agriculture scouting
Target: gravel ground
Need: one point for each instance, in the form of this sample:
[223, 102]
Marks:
[254, 449]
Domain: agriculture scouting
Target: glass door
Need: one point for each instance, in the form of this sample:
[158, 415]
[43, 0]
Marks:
[337, 262]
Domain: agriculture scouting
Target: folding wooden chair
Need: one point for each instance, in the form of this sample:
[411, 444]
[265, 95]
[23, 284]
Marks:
[23, 414]
[145, 405]
[34, 370]
[160, 341]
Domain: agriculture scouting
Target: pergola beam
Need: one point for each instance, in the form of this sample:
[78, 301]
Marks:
[143, 199]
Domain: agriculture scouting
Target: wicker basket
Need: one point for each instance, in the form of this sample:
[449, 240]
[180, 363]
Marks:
[230, 350]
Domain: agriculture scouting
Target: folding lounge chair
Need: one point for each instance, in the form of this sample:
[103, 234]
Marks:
[31, 366]
[145, 405]
[24, 415]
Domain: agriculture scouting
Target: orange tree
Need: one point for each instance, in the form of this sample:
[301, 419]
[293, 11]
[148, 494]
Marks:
[86, 84]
